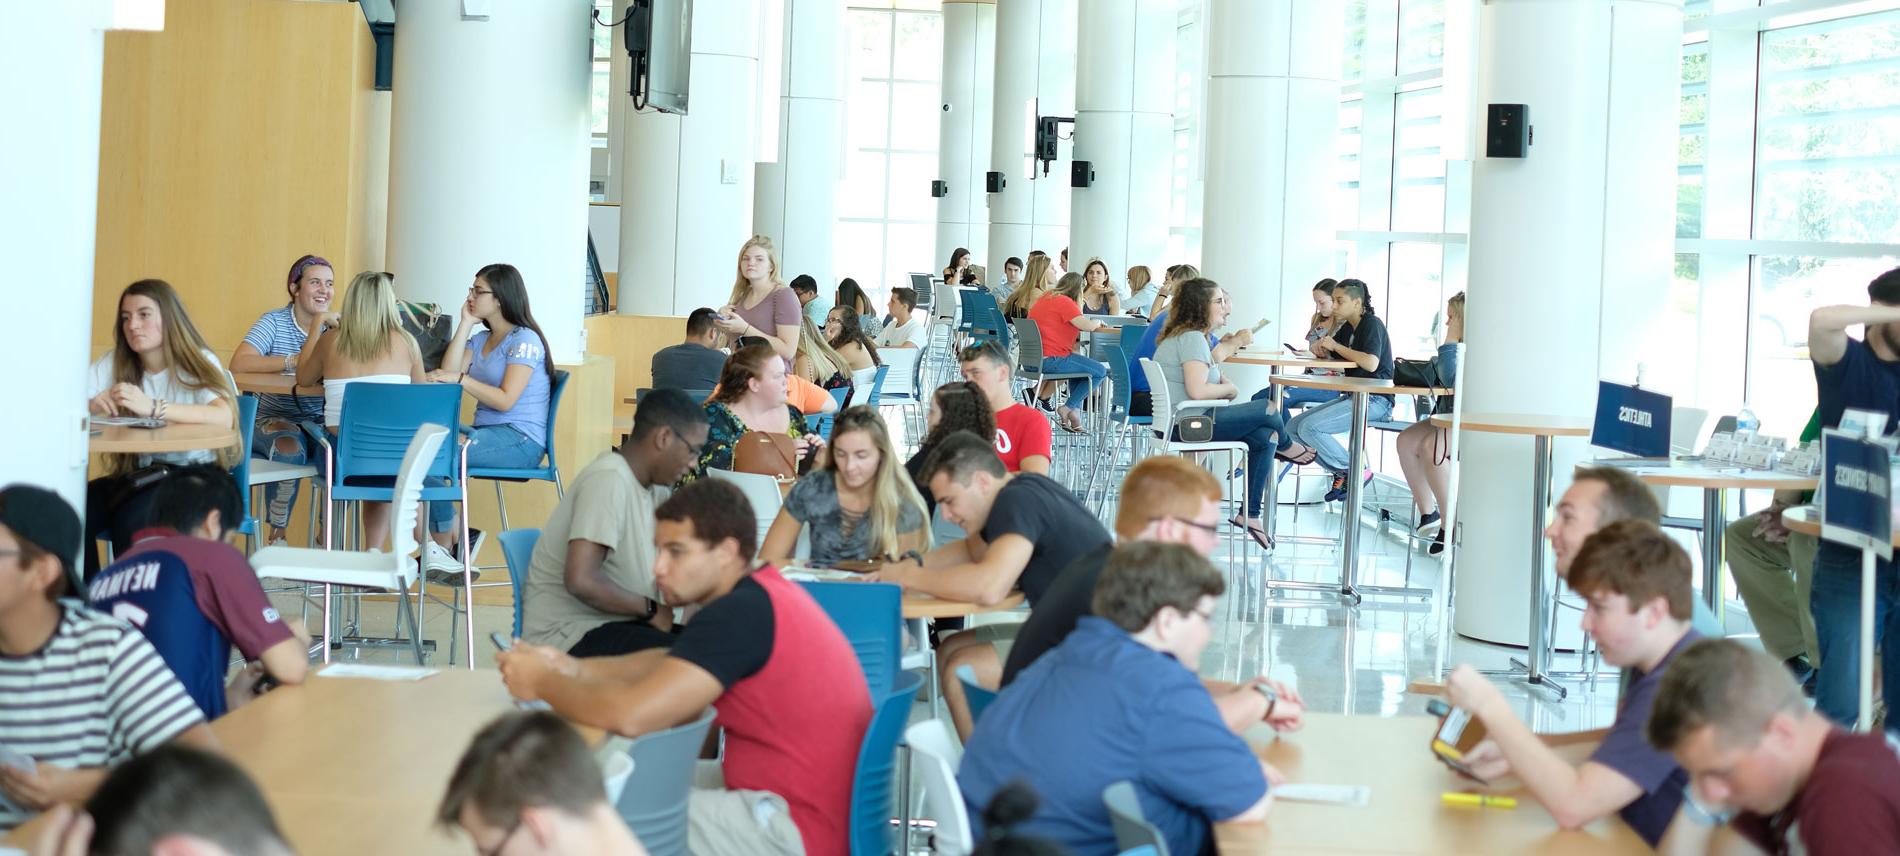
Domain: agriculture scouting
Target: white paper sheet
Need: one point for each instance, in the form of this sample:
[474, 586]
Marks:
[1359, 795]
[376, 672]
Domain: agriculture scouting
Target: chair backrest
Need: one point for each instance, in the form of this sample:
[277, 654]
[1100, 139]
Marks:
[877, 382]
[934, 755]
[871, 615]
[873, 786]
[1143, 850]
[1158, 397]
[1112, 354]
[760, 490]
[427, 440]
[1685, 428]
[654, 804]
[840, 394]
[943, 303]
[900, 371]
[864, 378]
[1028, 347]
[247, 426]
[379, 419]
[1131, 336]
[517, 549]
[1725, 424]
[554, 411]
[1132, 828]
[975, 696]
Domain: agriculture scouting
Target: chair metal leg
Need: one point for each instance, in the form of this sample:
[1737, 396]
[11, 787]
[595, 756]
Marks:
[500, 505]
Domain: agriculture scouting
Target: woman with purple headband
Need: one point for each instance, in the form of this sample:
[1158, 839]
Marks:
[280, 340]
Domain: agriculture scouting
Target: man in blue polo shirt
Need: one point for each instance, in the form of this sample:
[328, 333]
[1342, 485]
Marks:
[1119, 700]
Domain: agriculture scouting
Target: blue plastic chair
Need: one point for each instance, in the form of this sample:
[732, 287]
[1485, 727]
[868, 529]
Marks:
[517, 548]
[872, 618]
[877, 386]
[874, 783]
[654, 801]
[975, 696]
[247, 426]
[550, 471]
[373, 431]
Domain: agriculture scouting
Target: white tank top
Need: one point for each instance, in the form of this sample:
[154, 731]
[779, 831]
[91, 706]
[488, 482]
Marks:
[333, 394]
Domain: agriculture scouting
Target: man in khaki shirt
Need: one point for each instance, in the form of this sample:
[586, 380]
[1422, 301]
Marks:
[590, 583]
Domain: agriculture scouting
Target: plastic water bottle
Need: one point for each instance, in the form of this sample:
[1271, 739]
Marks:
[1746, 424]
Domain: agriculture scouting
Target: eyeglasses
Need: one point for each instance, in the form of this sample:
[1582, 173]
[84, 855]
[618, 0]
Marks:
[1209, 528]
[478, 290]
[695, 450]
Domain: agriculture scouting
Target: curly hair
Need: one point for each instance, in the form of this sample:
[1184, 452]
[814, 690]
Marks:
[961, 406]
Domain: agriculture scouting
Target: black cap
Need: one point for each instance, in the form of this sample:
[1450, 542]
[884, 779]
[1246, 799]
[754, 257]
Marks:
[44, 519]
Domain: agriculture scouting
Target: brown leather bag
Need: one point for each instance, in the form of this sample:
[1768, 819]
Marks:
[765, 453]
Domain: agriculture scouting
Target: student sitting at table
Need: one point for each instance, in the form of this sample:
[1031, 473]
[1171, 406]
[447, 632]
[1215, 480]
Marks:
[528, 786]
[1023, 438]
[695, 362]
[852, 299]
[158, 368]
[1060, 322]
[845, 336]
[1425, 449]
[1635, 584]
[817, 362]
[791, 696]
[1317, 328]
[1022, 529]
[955, 406]
[1140, 397]
[590, 589]
[908, 328]
[1099, 296]
[1142, 291]
[1119, 700]
[84, 691]
[193, 595]
[812, 304]
[857, 501]
[1038, 278]
[1359, 338]
[751, 397]
[1012, 277]
[367, 345]
[276, 344]
[172, 800]
[1737, 722]
[1773, 568]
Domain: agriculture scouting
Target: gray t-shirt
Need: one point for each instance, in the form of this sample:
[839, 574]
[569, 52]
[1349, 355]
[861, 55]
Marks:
[838, 535]
[1184, 347]
[607, 505]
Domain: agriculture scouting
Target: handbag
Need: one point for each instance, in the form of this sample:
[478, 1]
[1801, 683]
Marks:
[765, 453]
[1195, 429]
[1426, 373]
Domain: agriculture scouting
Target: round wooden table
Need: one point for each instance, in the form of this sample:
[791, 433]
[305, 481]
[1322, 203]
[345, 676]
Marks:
[1715, 480]
[1282, 360]
[924, 606]
[1541, 428]
[127, 440]
[1359, 388]
[272, 383]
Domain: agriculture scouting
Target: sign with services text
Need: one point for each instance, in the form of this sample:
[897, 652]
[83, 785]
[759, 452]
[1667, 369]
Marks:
[1630, 420]
[1855, 506]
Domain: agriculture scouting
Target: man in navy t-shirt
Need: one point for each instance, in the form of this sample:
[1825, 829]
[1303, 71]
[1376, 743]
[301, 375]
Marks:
[193, 595]
[1861, 375]
[1119, 701]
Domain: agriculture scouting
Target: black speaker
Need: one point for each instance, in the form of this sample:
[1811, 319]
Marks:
[993, 182]
[1047, 129]
[1507, 131]
[939, 189]
[1081, 173]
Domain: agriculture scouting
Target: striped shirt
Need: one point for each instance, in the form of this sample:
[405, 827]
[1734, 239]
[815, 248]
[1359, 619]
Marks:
[276, 334]
[94, 695]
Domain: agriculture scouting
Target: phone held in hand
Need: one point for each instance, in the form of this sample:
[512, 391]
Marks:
[1458, 733]
[501, 642]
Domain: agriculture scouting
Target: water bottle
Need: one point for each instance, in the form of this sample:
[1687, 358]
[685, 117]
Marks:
[1746, 424]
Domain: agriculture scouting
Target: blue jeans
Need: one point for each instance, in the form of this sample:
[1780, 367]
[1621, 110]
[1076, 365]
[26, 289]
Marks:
[1316, 426]
[1077, 364]
[489, 446]
[280, 497]
[1836, 605]
[1294, 397]
[1256, 424]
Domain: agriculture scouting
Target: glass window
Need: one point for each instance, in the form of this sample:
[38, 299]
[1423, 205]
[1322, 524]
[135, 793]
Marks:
[1354, 55]
[1346, 198]
[910, 187]
[1787, 289]
[1421, 35]
[886, 216]
[1828, 136]
[861, 192]
[1415, 299]
[1671, 362]
[918, 52]
[1418, 179]
[1693, 139]
[915, 115]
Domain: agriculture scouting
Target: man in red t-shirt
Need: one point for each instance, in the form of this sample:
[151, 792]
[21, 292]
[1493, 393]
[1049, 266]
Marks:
[755, 652]
[1022, 432]
[1737, 722]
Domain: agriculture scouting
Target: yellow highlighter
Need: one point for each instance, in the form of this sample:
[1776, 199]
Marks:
[1477, 800]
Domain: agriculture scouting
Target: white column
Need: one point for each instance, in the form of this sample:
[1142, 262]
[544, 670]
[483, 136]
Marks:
[619, 73]
[1035, 58]
[686, 194]
[488, 155]
[1581, 216]
[795, 201]
[963, 140]
[51, 174]
[1124, 128]
[1272, 107]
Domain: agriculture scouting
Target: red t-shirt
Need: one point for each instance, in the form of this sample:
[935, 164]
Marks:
[1021, 432]
[1053, 314]
[1850, 804]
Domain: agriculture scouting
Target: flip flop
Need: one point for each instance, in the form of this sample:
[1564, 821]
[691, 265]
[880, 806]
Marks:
[1258, 533]
[1311, 454]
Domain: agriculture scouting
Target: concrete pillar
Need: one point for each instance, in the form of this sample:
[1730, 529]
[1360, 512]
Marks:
[489, 155]
[619, 73]
[1035, 58]
[1583, 213]
[686, 193]
[1124, 128]
[1272, 107]
[795, 200]
[963, 141]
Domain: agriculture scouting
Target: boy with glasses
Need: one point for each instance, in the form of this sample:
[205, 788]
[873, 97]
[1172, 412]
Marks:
[527, 786]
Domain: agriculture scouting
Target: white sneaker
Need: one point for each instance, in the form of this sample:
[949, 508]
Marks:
[441, 566]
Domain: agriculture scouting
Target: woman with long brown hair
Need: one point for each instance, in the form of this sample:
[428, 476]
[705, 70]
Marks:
[159, 368]
[751, 397]
[858, 503]
[1098, 295]
[845, 336]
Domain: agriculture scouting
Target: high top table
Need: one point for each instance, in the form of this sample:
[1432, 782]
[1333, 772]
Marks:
[1715, 479]
[174, 437]
[272, 383]
[1541, 429]
[1358, 388]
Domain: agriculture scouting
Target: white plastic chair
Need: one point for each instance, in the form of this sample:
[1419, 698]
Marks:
[760, 490]
[934, 755]
[1166, 410]
[390, 572]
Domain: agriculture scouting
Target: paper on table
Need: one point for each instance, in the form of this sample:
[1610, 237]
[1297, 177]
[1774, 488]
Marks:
[376, 672]
[134, 421]
[1358, 795]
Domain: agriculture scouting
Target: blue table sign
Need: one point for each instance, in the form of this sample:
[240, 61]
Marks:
[1856, 509]
[1631, 420]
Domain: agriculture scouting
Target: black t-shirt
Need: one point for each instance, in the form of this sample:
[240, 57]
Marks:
[1863, 381]
[1368, 336]
[915, 466]
[732, 637]
[1054, 521]
[1067, 601]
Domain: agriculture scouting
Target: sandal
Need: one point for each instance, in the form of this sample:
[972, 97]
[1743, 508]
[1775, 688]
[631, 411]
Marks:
[1258, 533]
[1302, 459]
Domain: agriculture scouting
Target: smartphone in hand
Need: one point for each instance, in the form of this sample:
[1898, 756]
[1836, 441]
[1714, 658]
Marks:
[501, 642]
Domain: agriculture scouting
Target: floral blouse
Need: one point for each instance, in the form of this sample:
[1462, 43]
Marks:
[724, 428]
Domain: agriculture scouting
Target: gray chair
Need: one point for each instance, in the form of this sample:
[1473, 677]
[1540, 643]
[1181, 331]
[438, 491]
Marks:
[1029, 355]
[654, 801]
[1132, 828]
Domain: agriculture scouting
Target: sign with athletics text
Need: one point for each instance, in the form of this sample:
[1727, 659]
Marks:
[1631, 420]
[1855, 505]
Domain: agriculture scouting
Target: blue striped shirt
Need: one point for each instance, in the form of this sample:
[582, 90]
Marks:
[276, 334]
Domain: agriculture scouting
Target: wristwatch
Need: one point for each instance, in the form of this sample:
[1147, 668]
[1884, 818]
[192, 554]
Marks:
[1273, 698]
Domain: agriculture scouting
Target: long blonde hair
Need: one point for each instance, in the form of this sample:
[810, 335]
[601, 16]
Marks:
[1070, 286]
[370, 322]
[185, 355]
[891, 487]
[1029, 289]
[739, 284]
[825, 360]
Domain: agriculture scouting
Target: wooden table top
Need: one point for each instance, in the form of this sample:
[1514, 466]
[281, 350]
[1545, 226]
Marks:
[125, 439]
[1281, 359]
[1391, 755]
[925, 606]
[272, 383]
[1341, 383]
[352, 765]
[1535, 424]
[1806, 519]
[1721, 477]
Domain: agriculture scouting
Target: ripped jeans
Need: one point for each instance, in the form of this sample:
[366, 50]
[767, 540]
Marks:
[282, 440]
